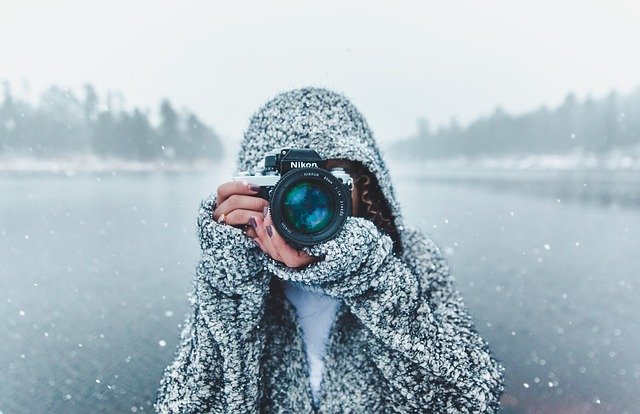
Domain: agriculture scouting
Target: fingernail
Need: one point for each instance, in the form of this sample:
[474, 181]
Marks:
[265, 211]
[256, 242]
[254, 187]
[269, 231]
[252, 222]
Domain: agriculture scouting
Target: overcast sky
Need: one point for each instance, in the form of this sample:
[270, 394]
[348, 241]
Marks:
[396, 60]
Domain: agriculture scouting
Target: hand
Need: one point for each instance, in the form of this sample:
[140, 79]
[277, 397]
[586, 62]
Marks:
[275, 246]
[238, 202]
[347, 265]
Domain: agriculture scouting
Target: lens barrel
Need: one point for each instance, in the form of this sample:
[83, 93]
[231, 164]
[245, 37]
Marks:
[309, 206]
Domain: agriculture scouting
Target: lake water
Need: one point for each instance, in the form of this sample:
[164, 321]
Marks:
[94, 271]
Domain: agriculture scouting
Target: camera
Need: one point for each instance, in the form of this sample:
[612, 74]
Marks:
[308, 203]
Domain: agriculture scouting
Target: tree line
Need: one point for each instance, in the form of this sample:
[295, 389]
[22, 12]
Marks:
[63, 124]
[595, 126]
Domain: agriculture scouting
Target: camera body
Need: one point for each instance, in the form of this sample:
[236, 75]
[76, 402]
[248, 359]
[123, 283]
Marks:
[308, 203]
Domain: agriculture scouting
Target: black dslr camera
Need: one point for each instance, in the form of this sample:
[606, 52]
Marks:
[308, 203]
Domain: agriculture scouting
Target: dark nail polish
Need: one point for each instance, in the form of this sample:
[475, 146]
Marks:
[269, 231]
[265, 211]
[252, 222]
[255, 242]
[254, 187]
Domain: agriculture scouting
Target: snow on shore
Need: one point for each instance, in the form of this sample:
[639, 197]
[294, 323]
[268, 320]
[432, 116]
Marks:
[577, 161]
[573, 162]
[561, 162]
[92, 164]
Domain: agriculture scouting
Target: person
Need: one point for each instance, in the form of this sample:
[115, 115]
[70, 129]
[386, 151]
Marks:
[367, 322]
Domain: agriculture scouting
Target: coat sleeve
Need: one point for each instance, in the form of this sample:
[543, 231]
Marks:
[423, 339]
[216, 365]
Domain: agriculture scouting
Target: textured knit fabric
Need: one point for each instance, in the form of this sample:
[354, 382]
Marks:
[402, 340]
[316, 312]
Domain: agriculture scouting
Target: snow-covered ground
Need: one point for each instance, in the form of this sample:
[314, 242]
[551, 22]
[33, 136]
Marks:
[614, 160]
[618, 168]
[92, 163]
[614, 166]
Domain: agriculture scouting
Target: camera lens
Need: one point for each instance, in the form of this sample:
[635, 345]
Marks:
[308, 207]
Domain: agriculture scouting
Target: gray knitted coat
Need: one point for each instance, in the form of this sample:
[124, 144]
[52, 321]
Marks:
[402, 339]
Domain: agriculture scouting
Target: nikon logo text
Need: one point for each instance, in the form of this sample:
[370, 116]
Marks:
[302, 164]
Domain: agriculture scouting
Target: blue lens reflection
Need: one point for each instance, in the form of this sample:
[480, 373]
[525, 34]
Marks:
[307, 207]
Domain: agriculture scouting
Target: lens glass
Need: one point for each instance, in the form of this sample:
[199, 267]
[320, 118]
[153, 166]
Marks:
[308, 207]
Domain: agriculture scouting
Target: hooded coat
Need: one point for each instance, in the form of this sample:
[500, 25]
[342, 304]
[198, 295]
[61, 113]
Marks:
[402, 339]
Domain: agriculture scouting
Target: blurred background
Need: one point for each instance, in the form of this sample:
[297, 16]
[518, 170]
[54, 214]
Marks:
[512, 130]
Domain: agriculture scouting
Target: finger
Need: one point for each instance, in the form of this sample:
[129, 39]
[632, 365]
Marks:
[242, 202]
[265, 240]
[225, 190]
[240, 217]
[258, 243]
[250, 232]
[291, 256]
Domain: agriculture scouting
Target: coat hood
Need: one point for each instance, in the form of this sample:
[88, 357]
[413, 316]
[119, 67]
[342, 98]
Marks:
[320, 119]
